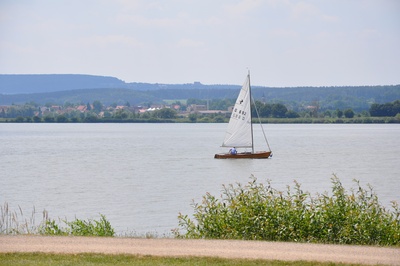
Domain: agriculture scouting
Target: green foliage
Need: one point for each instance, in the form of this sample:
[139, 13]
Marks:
[49, 119]
[61, 119]
[91, 118]
[14, 223]
[387, 109]
[121, 114]
[165, 113]
[97, 106]
[291, 114]
[78, 228]
[259, 212]
[348, 113]
[19, 119]
[193, 118]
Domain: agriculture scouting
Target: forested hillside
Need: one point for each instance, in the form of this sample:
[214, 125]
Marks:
[59, 89]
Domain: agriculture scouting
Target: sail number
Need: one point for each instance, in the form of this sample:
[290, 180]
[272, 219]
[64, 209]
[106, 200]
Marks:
[239, 115]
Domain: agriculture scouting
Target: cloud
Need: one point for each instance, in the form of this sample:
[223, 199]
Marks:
[111, 40]
[210, 41]
[242, 7]
[190, 43]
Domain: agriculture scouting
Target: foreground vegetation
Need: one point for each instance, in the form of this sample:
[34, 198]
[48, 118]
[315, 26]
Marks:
[255, 211]
[102, 259]
[259, 212]
[14, 223]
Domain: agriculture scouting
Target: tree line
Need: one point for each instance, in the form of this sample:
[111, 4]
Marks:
[386, 109]
[31, 112]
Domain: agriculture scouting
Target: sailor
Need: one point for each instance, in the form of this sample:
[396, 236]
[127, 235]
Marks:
[233, 151]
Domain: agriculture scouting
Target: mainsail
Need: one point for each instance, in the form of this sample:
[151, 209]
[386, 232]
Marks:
[239, 132]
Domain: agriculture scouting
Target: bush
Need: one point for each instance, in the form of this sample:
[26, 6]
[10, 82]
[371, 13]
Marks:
[259, 212]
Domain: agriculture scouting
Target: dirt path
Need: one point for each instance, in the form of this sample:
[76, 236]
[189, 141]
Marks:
[209, 248]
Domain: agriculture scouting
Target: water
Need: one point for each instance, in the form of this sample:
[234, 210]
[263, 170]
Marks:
[142, 175]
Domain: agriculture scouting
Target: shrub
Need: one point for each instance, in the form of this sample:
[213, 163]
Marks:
[259, 212]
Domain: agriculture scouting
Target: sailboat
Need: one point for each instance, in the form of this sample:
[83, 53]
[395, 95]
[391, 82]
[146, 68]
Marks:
[239, 133]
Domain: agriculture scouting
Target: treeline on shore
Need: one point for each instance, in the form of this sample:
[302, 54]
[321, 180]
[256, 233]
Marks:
[219, 119]
[178, 112]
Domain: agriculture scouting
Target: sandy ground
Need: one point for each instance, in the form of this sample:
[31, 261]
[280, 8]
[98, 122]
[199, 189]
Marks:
[209, 248]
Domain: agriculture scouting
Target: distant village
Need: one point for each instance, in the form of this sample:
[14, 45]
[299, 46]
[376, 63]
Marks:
[107, 111]
[60, 113]
[215, 111]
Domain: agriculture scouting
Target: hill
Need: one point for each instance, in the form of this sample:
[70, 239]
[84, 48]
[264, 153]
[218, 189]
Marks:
[16, 84]
[59, 89]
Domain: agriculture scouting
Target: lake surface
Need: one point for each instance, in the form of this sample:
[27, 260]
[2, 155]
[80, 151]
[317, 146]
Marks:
[140, 176]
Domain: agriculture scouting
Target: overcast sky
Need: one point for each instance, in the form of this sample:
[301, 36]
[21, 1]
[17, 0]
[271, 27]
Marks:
[282, 42]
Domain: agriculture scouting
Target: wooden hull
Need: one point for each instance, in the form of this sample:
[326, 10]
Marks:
[244, 155]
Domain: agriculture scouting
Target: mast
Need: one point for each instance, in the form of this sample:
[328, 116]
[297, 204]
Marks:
[251, 118]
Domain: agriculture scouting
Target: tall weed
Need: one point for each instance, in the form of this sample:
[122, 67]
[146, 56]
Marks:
[78, 227]
[259, 212]
[14, 222]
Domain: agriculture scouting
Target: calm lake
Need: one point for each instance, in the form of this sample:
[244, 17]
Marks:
[140, 176]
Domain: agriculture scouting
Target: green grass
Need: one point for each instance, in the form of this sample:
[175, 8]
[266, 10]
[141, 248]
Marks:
[259, 212]
[99, 259]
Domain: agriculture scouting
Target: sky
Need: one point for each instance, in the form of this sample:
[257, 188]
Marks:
[283, 43]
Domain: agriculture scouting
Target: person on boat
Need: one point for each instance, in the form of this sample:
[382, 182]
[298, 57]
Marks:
[233, 151]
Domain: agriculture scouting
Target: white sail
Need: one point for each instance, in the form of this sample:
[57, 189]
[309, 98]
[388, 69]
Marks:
[239, 133]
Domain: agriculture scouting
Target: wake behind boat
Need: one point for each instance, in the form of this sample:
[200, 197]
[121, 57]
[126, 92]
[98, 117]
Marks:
[239, 133]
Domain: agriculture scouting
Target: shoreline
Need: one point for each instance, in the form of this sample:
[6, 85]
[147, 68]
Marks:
[300, 120]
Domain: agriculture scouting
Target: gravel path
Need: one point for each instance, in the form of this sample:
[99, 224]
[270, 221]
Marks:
[208, 248]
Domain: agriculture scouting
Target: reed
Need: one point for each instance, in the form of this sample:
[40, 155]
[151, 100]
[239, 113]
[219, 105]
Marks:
[14, 223]
[259, 212]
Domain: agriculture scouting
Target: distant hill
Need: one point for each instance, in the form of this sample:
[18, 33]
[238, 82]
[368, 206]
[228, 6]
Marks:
[38, 83]
[15, 84]
[59, 89]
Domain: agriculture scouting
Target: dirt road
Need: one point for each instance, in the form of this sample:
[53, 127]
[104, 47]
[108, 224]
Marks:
[209, 248]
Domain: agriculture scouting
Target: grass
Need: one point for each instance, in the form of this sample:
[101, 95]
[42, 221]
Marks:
[100, 259]
[259, 212]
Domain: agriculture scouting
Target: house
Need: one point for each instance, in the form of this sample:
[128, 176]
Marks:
[195, 108]
[81, 108]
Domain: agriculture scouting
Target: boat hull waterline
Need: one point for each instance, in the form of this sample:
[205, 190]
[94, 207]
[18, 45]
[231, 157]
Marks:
[244, 155]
